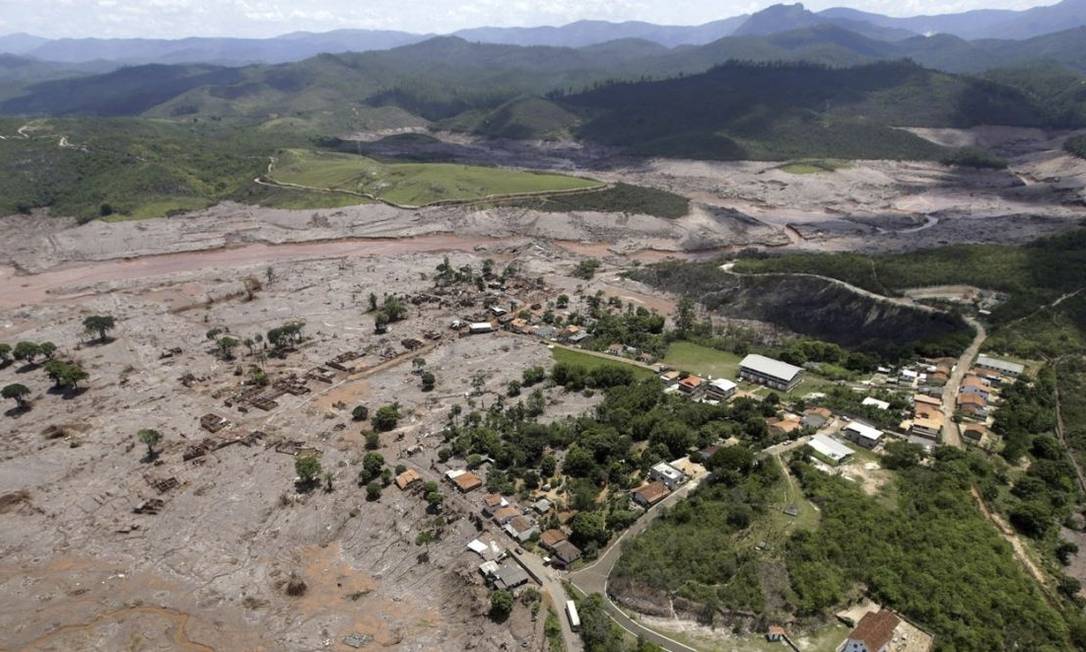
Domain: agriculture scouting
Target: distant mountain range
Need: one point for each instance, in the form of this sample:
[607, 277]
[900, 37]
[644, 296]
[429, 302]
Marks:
[973, 25]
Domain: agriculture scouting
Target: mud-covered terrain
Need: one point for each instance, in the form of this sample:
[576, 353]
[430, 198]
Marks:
[207, 569]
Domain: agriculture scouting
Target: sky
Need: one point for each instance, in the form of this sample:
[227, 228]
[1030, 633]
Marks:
[263, 18]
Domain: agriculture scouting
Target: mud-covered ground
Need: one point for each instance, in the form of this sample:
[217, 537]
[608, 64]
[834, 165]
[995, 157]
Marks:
[80, 570]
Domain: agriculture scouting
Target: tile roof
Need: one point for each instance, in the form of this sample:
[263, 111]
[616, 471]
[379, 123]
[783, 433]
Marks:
[875, 629]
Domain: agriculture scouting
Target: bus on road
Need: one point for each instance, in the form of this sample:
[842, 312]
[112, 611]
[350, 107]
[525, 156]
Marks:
[571, 613]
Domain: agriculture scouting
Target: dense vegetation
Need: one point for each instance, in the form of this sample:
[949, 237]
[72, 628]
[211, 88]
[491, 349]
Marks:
[619, 198]
[974, 157]
[799, 110]
[1076, 145]
[1032, 276]
[934, 557]
[814, 308]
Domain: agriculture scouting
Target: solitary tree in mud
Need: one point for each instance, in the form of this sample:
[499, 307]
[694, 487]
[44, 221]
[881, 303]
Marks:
[5, 354]
[308, 469]
[18, 393]
[99, 325]
[150, 437]
[226, 345]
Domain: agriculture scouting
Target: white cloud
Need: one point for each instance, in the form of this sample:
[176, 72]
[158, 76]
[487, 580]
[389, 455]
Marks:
[177, 18]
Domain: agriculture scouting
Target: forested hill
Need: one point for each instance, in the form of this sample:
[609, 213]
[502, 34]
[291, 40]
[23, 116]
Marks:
[781, 111]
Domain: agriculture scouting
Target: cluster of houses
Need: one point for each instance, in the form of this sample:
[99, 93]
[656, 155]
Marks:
[664, 477]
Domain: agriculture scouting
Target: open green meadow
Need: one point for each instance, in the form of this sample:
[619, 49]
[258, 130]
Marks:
[702, 360]
[414, 184]
[590, 362]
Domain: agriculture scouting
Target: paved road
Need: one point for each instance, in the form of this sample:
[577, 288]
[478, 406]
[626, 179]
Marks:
[593, 578]
[556, 591]
[952, 435]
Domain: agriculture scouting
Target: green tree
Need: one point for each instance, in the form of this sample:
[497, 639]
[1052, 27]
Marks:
[685, 316]
[308, 469]
[428, 381]
[360, 413]
[372, 464]
[589, 527]
[373, 441]
[47, 349]
[226, 345]
[27, 351]
[501, 605]
[150, 437]
[386, 418]
[18, 393]
[99, 325]
[5, 354]
[373, 491]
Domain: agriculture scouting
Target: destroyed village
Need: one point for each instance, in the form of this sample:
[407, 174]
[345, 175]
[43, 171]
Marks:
[547, 327]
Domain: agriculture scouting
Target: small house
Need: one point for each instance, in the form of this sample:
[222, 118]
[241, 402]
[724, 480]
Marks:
[506, 514]
[551, 538]
[565, 553]
[649, 494]
[480, 327]
[521, 528]
[407, 478]
[769, 372]
[873, 633]
[828, 449]
[690, 384]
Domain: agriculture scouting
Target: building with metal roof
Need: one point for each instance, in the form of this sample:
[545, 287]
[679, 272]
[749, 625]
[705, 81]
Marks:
[769, 372]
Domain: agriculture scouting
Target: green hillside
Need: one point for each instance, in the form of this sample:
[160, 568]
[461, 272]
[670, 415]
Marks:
[413, 184]
[527, 118]
[786, 111]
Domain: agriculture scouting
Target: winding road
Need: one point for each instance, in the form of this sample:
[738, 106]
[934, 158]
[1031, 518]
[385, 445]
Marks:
[593, 578]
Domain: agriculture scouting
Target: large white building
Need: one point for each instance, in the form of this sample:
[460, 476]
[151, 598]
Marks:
[1002, 366]
[829, 449]
[769, 372]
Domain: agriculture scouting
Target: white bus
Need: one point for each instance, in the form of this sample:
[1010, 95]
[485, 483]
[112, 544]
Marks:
[571, 613]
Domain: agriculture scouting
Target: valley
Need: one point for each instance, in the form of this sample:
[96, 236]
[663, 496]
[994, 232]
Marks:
[763, 333]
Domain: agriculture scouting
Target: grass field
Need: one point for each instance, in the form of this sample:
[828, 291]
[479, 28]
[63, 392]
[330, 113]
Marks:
[589, 361]
[702, 360]
[413, 184]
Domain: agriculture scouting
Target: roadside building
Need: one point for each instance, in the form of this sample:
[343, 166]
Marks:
[974, 432]
[670, 377]
[407, 478]
[816, 417]
[521, 528]
[565, 553]
[973, 405]
[1005, 367]
[505, 514]
[492, 503]
[669, 475]
[873, 633]
[927, 421]
[691, 384]
[465, 481]
[769, 372]
[509, 576]
[551, 538]
[649, 494]
[862, 434]
[720, 389]
[828, 449]
[976, 385]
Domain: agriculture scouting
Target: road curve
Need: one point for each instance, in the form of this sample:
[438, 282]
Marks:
[593, 577]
